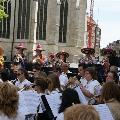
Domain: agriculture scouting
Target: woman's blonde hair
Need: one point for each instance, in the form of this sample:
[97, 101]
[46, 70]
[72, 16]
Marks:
[81, 112]
[8, 100]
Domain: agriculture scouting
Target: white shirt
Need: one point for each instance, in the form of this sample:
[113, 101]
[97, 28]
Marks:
[83, 81]
[28, 101]
[63, 79]
[93, 87]
[60, 116]
[23, 83]
[54, 101]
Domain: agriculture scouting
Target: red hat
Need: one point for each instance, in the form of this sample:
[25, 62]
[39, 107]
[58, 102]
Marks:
[20, 46]
[107, 51]
[39, 47]
[87, 50]
[62, 53]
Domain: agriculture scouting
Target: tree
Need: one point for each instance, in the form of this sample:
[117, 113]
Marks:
[2, 13]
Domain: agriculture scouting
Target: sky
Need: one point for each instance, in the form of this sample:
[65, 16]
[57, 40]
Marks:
[107, 13]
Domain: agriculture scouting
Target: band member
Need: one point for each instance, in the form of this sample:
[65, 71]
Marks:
[51, 60]
[20, 56]
[62, 56]
[106, 65]
[1, 58]
[87, 59]
[39, 57]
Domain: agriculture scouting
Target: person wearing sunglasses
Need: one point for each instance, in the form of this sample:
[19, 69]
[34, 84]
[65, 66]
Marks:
[22, 76]
[37, 70]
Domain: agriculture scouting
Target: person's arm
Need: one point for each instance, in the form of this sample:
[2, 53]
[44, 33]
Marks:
[86, 92]
[73, 80]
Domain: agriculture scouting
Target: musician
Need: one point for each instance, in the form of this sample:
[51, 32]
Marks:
[37, 70]
[87, 59]
[51, 60]
[20, 56]
[53, 100]
[39, 57]
[80, 78]
[106, 65]
[62, 56]
[1, 58]
[22, 76]
[63, 78]
[69, 97]
[93, 87]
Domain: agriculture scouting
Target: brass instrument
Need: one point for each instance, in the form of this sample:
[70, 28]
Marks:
[1, 58]
[18, 58]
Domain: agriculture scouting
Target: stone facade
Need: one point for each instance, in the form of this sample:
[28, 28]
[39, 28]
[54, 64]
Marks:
[115, 45]
[75, 29]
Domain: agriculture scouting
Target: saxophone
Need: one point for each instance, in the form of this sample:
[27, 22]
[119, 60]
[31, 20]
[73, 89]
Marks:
[1, 58]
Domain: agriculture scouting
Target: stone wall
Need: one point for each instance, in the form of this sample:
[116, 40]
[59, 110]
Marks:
[75, 30]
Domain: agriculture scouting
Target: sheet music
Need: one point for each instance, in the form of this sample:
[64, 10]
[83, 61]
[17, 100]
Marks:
[28, 102]
[104, 112]
[54, 102]
[81, 96]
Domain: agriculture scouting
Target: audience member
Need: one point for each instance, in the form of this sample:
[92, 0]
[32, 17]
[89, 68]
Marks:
[81, 112]
[9, 103]
[111, 96]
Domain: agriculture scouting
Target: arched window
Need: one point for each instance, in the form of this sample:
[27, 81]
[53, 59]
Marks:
[41, 19]
[63, 21]
[5, 23]
[23, 19]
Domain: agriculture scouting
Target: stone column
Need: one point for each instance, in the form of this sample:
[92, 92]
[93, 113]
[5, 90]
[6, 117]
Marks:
[76, 28]
[72, 29]
[33, 27]
[52, 28]
[14, 24]
[82, 15]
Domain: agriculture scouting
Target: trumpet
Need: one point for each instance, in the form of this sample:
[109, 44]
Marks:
[1, 58]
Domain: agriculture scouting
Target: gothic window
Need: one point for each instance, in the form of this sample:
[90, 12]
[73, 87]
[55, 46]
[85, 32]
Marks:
[63, 21]
[41, 19]
[23, 19]
[5, 23]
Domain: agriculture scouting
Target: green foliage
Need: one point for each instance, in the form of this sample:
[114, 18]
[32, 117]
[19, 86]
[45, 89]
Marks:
[2, 13]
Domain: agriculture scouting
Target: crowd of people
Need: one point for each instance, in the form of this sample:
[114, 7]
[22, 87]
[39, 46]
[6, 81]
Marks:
[58, 94]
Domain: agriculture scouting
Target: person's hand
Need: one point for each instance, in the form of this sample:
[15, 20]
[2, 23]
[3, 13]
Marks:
[71, 80]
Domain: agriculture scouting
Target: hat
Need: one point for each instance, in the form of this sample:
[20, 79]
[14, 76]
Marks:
[87, 50]
[107, 51]
[20, 46]
[39, 47]
[62, 53]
